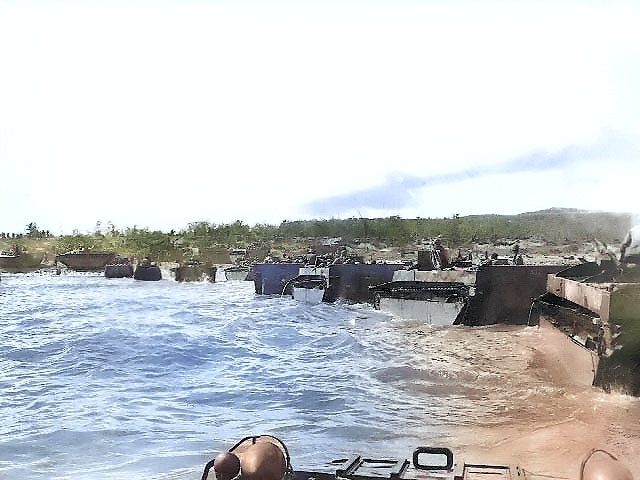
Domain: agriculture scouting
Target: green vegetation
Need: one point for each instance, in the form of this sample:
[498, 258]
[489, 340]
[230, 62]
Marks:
[553, 227]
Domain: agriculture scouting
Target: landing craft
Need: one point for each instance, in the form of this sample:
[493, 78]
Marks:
[458, 292]
[85, 261]
[236, 273]
[310, 285]
[596, 305]
[196, 273]
[348, 282]
[120, 267]
[147, 271]
[437, 292]
[21, 262]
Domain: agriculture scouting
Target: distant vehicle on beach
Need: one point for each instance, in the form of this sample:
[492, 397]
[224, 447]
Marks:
[310, 285]
[236, 273]
[147, 271]
[86, 261]
[119, 268]
[21, 263]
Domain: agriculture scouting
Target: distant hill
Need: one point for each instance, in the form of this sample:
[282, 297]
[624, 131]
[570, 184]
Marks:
[554, 225]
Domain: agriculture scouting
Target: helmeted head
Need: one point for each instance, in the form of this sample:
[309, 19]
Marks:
[262, 461]
[601, 465]
[226, 465]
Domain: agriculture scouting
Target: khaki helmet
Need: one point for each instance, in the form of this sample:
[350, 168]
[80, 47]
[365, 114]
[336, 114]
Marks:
[601, 465]
[226, 465]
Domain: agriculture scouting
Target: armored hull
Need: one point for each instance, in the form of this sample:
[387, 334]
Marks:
[118, 270]
[435, 303]
[601, 317]
[86, 261]
[487, 295]
[196, 273]
[236, 273]
[150, 273]
[23, 263]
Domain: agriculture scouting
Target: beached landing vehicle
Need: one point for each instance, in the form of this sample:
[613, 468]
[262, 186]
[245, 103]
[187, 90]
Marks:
[596, 306]
[196, 273]
[120, 267]
[21, 263]
[309, 288]
[349, 282]
[461, 293]
[86, 261]
[310, 285]
[432, 302]
[147, 271]
[236, 273]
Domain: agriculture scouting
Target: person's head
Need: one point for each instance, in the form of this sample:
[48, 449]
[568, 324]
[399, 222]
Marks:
[601, 465]
[226, 465]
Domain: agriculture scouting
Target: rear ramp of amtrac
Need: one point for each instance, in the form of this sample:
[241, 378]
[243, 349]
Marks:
[597, 307]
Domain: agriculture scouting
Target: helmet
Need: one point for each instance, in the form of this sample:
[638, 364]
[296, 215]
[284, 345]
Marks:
[226, 465]
[601, 465]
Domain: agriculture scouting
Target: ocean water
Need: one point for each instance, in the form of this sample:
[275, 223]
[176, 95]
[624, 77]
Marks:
[119, 378]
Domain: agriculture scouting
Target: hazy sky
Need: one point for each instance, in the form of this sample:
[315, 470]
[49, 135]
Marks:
[161, 113]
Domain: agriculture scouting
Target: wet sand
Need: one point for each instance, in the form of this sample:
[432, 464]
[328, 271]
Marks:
[551, 421]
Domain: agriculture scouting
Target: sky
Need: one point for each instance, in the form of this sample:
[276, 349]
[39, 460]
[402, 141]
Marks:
[156, 114]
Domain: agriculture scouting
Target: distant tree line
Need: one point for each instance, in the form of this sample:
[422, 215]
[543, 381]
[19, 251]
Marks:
[556, 226]
[166, 246]
[553, 226]
[32, 231]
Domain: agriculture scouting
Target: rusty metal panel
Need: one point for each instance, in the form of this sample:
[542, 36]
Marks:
[272, 278]
[594, 297]
[504, 293]
[352, 281]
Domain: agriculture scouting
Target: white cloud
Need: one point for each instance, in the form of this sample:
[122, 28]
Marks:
[276, 104]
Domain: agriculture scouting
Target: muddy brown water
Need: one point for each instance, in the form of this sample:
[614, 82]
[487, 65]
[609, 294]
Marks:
[516, 401]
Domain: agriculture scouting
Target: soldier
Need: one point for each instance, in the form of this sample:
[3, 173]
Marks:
[515, 251]
[630, 248]
[258, 461]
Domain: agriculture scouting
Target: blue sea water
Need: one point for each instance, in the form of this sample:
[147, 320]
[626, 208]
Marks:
[119, 378]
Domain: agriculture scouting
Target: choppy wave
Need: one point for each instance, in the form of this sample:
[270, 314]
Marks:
[114, 378]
